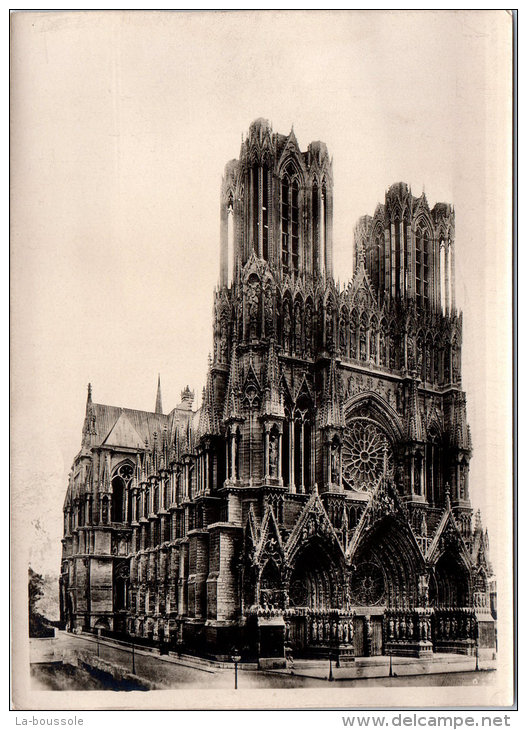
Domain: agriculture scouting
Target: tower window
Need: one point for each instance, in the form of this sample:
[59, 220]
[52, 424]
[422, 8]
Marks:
[230, 239]
[265, 214]
[256, 200]
[290, 219]
[397, 271]
[322, 229]
[315, 209]
[421, 267]
[285, 225]
[121, 495]
[294, 226]
[425, 268]
[377, 261]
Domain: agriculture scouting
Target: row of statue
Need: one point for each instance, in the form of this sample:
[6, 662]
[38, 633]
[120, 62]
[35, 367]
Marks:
[415, 627]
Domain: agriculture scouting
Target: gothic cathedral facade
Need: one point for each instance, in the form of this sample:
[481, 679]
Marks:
[318, 500]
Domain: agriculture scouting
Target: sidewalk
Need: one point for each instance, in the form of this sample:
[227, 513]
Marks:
[379, 666]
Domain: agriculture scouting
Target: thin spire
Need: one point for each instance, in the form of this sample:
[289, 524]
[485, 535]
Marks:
[159, 404]
[89, 395]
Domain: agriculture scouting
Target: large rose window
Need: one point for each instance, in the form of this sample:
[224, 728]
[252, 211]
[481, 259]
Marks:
[367, 585]
[364, 449]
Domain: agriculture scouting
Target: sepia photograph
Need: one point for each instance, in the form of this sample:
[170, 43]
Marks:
[261, 359]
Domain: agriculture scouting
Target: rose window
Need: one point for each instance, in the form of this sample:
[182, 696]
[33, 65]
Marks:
[367, 585]
[298, 593]
[364, 449]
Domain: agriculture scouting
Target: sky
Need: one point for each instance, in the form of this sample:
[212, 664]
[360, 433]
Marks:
[121, 125]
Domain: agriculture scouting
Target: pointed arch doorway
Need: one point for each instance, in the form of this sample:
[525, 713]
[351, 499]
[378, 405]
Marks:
[384, 580]
[317, 599]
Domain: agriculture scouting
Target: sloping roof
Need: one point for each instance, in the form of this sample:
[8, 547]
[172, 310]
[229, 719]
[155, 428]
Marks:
[124, 434]
[142, 424]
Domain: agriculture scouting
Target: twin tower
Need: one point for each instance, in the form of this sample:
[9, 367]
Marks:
[277, 203]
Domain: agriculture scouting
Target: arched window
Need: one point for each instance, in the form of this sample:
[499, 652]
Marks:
[286, 449]
[121, 496]
[260, 209]
[265, 213]
[377, 268]
[315, 227]
[323, 222]
[117, 499]
[230, 238]
[433, 467]
[422, 266]
[284, 208]
[294, 226]
[290, 222]
[255, 204]
[397, 265]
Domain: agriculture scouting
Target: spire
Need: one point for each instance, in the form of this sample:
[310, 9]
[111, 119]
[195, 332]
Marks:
[414, 424]
[232, 405]
[208, 421]
[89, 427]
[272, 404]
[332, 413]
[159, 405]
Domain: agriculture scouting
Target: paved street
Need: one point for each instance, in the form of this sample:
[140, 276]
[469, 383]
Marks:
[168, 672]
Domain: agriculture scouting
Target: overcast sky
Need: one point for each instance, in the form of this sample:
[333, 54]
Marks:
[121, 126]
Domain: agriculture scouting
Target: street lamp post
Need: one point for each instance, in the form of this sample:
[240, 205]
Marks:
[477, 647]
[236, 658]
[391, 669]
[133, 657]
[330, 676]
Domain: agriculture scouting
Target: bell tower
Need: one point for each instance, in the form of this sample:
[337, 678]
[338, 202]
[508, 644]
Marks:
[277, 205]
[408, 251]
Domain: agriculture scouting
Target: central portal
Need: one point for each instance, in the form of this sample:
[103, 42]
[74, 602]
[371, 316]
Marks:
[318, 619]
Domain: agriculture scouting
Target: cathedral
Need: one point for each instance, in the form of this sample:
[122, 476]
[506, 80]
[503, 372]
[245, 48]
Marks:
[318, 500]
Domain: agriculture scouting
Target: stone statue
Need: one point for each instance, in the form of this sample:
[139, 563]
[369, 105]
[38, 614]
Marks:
[273, 455]
[287, 328]
[252, 308]
[335, 464]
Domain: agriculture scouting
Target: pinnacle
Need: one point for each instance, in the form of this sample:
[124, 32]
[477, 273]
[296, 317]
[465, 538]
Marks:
[159, 405]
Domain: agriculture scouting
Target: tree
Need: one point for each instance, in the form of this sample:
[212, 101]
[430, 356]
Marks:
[37, 626]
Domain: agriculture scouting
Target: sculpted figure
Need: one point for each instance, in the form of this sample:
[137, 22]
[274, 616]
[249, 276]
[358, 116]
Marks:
[287, 328]
[268, 314]
[298, 330]
[273, 455]
[252, 304]
[335, 463]
[342, 335]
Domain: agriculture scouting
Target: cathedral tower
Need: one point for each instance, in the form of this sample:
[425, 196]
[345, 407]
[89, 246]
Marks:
[277, 204]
